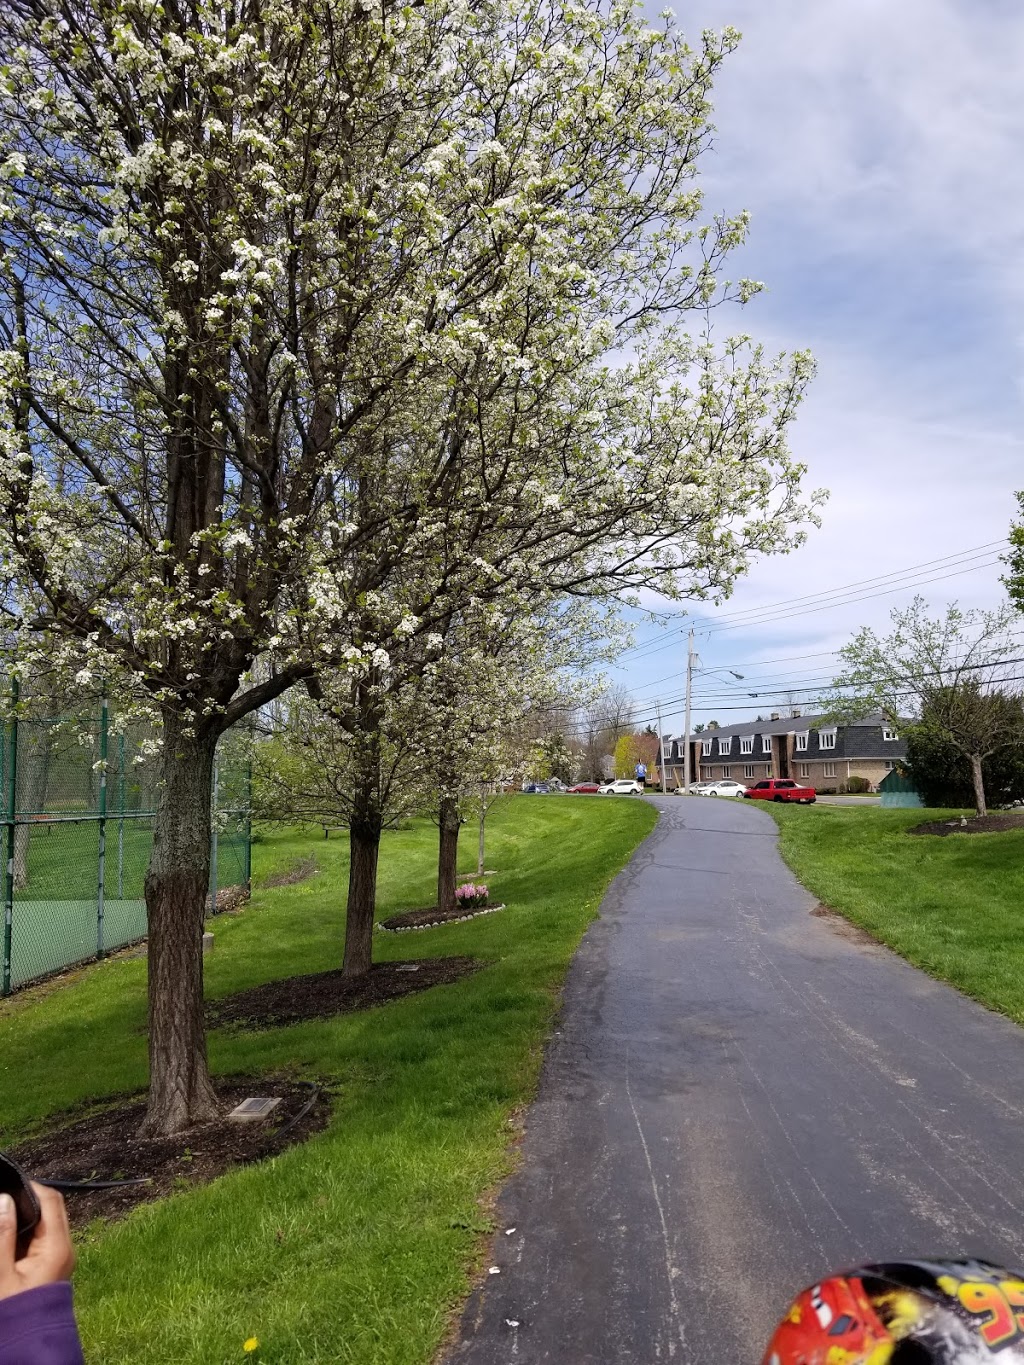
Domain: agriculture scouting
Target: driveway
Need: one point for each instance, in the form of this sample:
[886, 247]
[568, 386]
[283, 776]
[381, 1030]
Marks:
[739, 1096]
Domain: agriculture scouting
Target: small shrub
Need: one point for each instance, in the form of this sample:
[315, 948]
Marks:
[858, 786]
[469, 896]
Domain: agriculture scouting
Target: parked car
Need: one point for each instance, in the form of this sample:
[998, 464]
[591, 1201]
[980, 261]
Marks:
[727, 787]
[622, 786]
[585, 789]
[781, 789]
[695, 788]
[555, 784]
[536, 789]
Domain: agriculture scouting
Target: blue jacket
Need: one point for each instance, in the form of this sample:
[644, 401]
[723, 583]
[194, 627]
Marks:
[37, 1327]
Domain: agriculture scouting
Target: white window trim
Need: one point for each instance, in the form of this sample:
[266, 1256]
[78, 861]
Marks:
[748, 770]
[889, 735]
[706, 747]
[725, 745]
[766, 744]
[746, 744]
[829, 770]
[805, 769]
[801, 741]
[826, 739]
[726, 773]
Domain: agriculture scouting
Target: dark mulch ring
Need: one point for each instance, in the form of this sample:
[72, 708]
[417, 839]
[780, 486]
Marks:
[426, 919]
[106, 1146]
[291, 876]
[325, 994]
[977, 824]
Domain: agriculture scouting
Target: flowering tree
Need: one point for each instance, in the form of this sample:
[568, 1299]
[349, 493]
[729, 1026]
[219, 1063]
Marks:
[937, 679]
[293, 298]
[1014, 560]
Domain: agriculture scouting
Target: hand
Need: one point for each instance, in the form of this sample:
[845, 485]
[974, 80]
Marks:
[50, 1256]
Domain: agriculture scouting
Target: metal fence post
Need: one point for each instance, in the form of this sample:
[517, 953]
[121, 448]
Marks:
[11, 824]
[100, 886]
[214, 837]
[120, 823]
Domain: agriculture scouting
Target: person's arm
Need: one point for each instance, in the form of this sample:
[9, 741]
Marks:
[37, 1321]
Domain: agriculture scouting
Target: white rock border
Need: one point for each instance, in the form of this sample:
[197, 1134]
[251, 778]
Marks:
[439, 923]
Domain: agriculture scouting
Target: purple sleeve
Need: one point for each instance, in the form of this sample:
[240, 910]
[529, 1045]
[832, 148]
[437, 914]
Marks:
[37, 1327]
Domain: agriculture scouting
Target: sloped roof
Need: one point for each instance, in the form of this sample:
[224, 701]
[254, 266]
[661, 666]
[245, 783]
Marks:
[784, 726]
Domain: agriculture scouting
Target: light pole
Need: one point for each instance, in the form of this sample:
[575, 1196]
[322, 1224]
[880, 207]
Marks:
[690, 657]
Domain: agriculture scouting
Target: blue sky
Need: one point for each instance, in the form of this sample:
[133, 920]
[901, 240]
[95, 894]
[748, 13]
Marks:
[877, 144]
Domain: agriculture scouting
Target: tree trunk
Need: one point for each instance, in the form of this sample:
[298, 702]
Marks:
[364, 845]
[480, 859]
[448, 853]
[180, 1093]
[979, 785]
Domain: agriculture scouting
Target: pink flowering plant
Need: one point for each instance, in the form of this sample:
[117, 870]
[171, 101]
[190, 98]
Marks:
[471, 895]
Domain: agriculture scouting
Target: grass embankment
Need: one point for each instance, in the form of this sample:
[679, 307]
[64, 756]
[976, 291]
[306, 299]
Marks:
[949, 905]
[355, 1246]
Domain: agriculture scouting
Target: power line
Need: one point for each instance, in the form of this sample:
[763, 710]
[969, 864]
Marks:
[833, 597]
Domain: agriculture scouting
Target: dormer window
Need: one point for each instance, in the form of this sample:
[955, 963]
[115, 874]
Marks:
[766, 744]
[706, 747]
[801, 742]
[827, 739]
[746, 744]
[889, 734]
[725, 745]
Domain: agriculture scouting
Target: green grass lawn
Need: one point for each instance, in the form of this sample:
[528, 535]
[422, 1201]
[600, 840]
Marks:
[952, 906]
[356, 1246]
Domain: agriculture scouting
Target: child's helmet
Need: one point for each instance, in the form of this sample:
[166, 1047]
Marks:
[906, 1313]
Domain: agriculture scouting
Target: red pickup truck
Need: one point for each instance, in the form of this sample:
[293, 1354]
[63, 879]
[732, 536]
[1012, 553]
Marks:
[780, 789]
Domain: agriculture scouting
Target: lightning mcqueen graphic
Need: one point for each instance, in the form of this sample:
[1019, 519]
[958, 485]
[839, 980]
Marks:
[832, 1323]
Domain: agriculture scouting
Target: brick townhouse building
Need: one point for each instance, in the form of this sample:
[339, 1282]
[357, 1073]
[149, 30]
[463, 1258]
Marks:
[810, 749]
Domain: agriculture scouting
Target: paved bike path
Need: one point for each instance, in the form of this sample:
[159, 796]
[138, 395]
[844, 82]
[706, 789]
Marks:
[738, 1097]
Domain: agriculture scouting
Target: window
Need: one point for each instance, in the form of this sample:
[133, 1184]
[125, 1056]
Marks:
[725, 745]
[830, 770]
[889, 765]
[746, 744]
[803, 770]
[888, 733]
[787, 783]
[766, 744]
[801, 743]
[706, 747]
[748, 771]
[761, 786]
[826, 739]
[726, 772]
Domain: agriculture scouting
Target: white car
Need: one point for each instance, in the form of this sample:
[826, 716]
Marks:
[621, 786]
[727, 787]
[696, 788]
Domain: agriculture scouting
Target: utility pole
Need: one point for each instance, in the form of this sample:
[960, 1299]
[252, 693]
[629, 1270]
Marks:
[661, 747]
[687, 764]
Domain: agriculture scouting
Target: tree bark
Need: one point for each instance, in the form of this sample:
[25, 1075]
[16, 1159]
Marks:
[364, 845]
[180, 1092]
[979, 785]
[480, 855]
[449, 823]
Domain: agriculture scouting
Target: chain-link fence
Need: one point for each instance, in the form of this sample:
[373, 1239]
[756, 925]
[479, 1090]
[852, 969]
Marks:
[77, 798]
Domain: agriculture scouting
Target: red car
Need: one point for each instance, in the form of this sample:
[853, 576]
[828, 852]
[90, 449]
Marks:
[584, 789]
[832, 1322]
[780, 789]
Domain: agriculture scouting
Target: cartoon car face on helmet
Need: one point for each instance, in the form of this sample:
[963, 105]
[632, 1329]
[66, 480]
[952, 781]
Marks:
[832, 1323]
[906, 1313]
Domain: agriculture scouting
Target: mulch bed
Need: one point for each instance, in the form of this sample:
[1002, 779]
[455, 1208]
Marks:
[298, 872]
[426, 919]
[325, 994]
[106, 1146]
[984, 824]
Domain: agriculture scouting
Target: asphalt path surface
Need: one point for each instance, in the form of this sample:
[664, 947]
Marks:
[740, 1096]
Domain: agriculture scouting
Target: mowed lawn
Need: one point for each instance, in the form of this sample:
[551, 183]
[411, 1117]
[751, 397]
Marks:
[953, 906]
[356, 1246]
